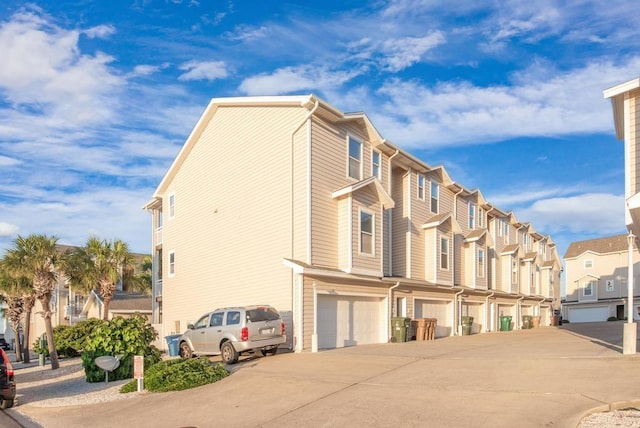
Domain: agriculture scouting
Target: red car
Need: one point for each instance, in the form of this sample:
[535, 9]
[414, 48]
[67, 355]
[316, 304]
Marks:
[7, 382]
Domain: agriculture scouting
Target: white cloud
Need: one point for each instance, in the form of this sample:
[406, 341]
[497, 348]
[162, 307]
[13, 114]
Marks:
[295, 79]
[8, 229]
[144, 70]
[540, 101]
[100, 31]
[203, 70]
[591, 213]
[406, 51]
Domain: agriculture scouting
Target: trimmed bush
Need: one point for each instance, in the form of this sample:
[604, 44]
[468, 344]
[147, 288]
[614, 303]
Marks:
[120, 336]
[179, 374]
[612, 319]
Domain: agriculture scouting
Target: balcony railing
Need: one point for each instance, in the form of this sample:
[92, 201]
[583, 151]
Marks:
[158, 240]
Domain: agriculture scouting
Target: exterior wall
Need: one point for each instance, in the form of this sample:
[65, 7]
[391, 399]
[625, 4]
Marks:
[229, 229]
[634, 139]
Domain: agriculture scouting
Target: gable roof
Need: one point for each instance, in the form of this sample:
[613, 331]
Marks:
[475, 235]
[510, 249]
[610, 244]
[384, 198]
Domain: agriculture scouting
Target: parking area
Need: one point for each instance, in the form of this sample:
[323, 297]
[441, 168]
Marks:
[548, 376]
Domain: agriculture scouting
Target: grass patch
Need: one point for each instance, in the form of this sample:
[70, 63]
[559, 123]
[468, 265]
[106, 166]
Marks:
[179, 374]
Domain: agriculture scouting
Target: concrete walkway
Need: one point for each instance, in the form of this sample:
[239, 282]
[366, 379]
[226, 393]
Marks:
[550, 376]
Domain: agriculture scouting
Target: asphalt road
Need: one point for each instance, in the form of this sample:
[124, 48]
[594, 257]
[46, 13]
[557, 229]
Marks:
[550, 376]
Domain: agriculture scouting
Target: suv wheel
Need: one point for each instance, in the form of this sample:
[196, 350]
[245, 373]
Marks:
[185, 351]
[6, 404]
[270, 351]
[229, 353]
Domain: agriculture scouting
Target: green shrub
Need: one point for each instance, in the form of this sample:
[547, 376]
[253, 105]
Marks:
[179, 374]
[120, 336]
[612, 319]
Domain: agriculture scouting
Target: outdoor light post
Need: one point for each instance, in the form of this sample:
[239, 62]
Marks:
[629, 331]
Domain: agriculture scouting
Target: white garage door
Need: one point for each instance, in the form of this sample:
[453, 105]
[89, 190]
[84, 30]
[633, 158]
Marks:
[439, 309]
[350, 320]
[593, 314]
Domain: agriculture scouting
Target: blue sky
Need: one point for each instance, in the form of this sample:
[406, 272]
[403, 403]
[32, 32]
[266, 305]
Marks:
[97, 97]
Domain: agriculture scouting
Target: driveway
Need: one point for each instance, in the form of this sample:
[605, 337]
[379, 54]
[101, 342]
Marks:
[549, 376]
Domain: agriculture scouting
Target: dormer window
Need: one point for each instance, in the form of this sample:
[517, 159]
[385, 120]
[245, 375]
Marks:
[472, 215]
[421, 181]
[355, 159]
[376, 164]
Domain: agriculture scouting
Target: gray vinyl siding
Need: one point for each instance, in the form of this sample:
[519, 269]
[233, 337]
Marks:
[634, 139]
[420, 213]
[224, 250]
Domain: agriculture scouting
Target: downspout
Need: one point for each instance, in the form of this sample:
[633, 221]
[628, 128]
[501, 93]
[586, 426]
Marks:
[454, 249]
[487, 312]
[390, 308]
[456, 314]
[296, 294]
[519, 311]
[390, 214]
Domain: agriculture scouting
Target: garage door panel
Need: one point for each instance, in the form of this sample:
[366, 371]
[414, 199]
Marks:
[439, 309]
[349, 320]
[590, 314]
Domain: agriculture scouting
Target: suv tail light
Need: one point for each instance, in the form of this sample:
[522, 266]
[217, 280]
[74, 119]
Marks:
[282, 329]
[244, 334]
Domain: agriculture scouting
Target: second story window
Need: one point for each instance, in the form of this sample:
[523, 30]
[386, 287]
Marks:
[480, 217]
[444, 253]
[366, 232]
[480, 262]
[505, 224]
[376, 165]
[472, 215]
[355, 159]
[421, 180]
[172, 263]
[435, 190]
[172, 205]
[514, 271]
[588, 288]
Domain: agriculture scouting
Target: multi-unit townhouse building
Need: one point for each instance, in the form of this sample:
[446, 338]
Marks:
[596, 275]
[625, 102]
[290, 202]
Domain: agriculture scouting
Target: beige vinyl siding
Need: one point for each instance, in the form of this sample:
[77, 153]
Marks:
[232, 223]
[432, 259]
[300, 173]
[634, 139]
[344, 205]
[365, 199]
[420, 213]
[328, 174]
[399, 222]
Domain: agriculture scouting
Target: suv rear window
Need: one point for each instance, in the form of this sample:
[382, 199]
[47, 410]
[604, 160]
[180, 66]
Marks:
[262, 314]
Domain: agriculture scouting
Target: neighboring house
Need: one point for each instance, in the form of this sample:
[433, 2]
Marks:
[290, 202]
[123, 304]
[596, 273]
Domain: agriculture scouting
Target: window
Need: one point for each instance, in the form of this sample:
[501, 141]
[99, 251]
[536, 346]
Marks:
[480, 262]
[506, 232]
[444, 253]
[376, 169]
[355, 159]
[435, 190]
[216, 319]
[172, 205]
[588, 288]
[480, 217]
[472, 215]
[172, 263]
[609, 285]
[588, 264]
[514, 271]
[202, 322]
[421, 187]
[366, 232]
[233, 317]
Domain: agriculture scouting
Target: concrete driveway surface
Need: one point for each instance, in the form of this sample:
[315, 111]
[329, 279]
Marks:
[543, 377]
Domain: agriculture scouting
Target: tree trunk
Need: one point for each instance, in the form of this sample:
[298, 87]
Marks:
[105, 302]
[53, 354]
[29, 302]
[18, 345]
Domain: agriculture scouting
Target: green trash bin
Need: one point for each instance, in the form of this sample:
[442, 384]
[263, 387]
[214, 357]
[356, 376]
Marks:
[399, 328]
[526, 322]
[467, 324]
[505, 323]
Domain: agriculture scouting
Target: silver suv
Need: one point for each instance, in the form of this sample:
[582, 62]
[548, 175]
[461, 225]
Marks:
[232, 331]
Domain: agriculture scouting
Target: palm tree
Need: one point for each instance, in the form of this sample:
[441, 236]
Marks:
[37, 258]
[100, 264]
[12, 291]
[139, 281]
